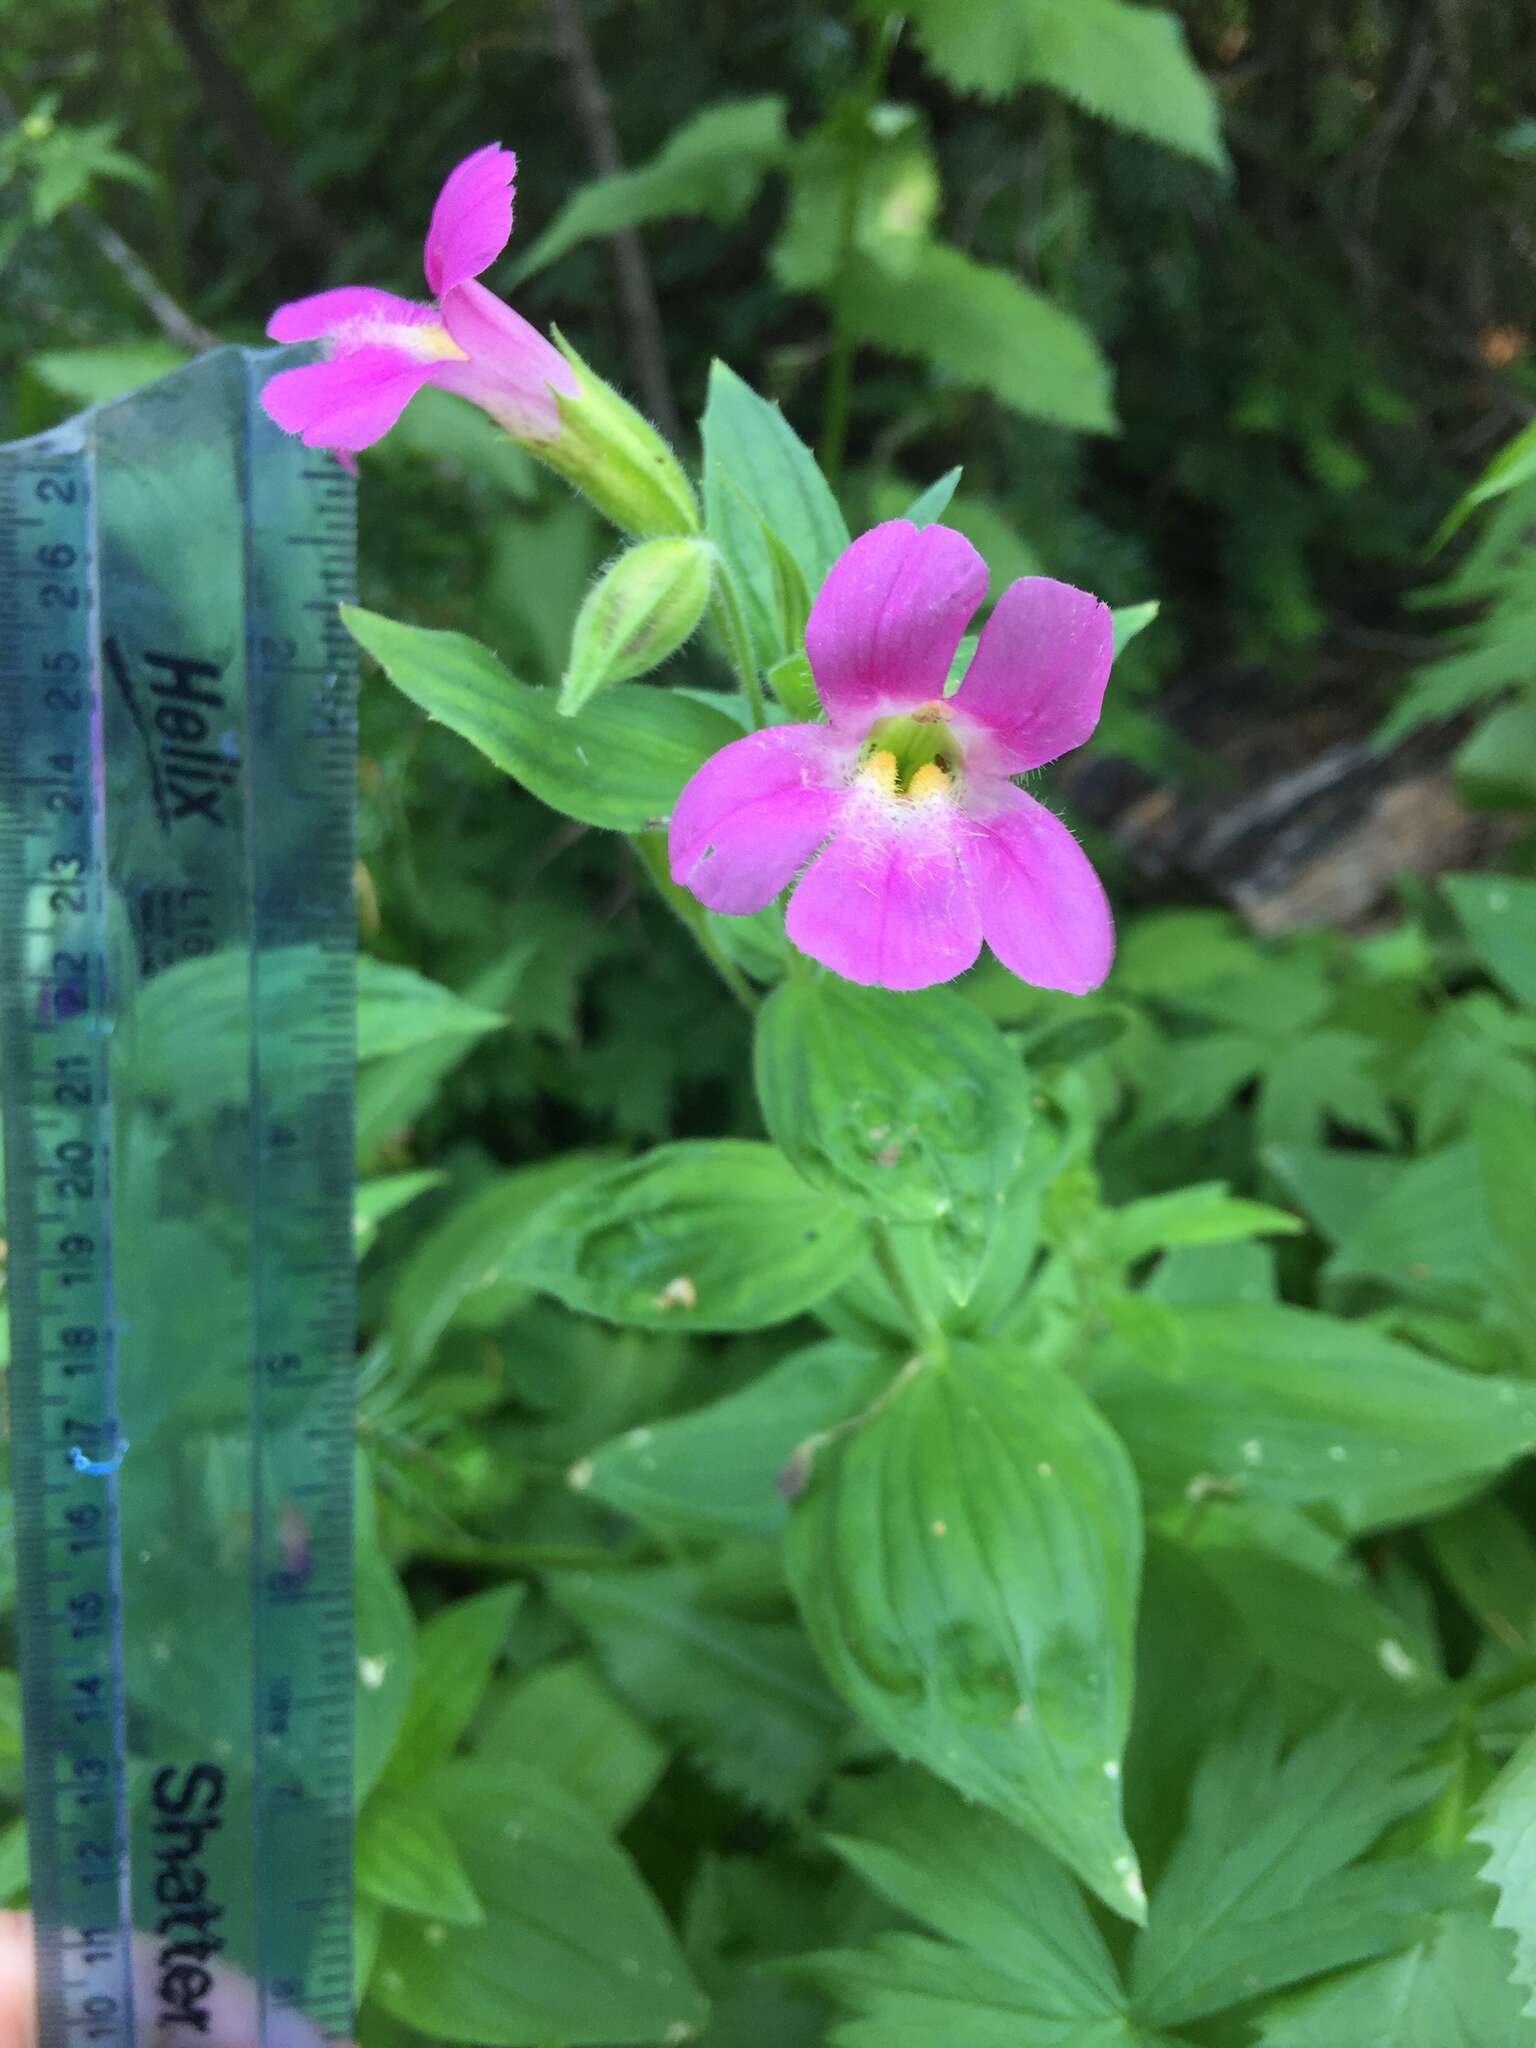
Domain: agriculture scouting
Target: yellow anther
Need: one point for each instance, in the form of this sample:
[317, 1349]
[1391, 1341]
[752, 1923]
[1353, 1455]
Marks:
[929, 781]
[880, 769]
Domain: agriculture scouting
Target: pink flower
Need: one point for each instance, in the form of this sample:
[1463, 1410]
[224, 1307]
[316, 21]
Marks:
[900, 816]
[382, 350]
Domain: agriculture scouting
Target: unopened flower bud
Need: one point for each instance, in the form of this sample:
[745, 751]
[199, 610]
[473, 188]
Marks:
[616, 459]
[641, 609]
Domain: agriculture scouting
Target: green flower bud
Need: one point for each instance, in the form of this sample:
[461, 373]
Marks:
[617, 459]
[641, 609]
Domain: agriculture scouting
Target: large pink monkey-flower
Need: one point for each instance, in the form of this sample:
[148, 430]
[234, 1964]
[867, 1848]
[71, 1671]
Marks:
[900, 816]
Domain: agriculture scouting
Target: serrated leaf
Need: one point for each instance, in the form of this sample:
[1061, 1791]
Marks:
[984, 328]
[619, 765]
[1127, 64]
[405, 1858]
[759, 474]
[966, 1564]
[1264, 1886]
[715, 1471]
[564, 1718]
[707, 1234]
[1449, 1990]
[712, 165]
[913, 1108]
[1506, 1827]
[456, 1652]
[1281, 1404]
[745, 1698]
[1030, 1965]
[910, 1992]
[573, 1949]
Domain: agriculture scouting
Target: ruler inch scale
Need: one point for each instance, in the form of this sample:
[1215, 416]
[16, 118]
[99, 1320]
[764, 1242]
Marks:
[177, 1040]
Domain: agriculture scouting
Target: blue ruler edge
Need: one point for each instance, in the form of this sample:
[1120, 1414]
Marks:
[177, 1035]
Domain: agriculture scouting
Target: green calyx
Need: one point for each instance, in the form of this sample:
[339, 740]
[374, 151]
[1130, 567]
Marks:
[616, 458]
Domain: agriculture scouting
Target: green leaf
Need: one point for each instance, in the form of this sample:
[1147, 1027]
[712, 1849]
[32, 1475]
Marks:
[373, 1201]
[14, 1867]
[192, 1024]
[1495, 766]
[395, 1088]
[586, 1741]
[744, 1697]
[1318, 1621]
[1281, 1404]
[711, 165]
[761, 479]
[1264, 1886]
[931, 504]
[1506, 1827]
[1427, 1234]
[1198, 1215]
[984, 328]
[384, 1633]
[573, 1948]
[471, 1248]
[1336, 1188]
[1489, 1558]
[909, 1992]
[456, 1652]
[1514, 464]
[619, 765]
[1030, 1965]
[1449, 1990]
[1498, 913]
[398, 1008]
[879, 154]
[709, 1234]
[1131, 619]
[405, 1858]
[966, 1564]
[1127, 64]
[913, 1107]
[715, 1472]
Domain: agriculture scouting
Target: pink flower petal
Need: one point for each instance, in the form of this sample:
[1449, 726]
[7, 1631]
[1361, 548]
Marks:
[472, 220]
[1036, 680]
[887, 904]
[513, 371]
[1043, 909]
[886, 622]
[347, 402]
[324, 313]
[751, 817]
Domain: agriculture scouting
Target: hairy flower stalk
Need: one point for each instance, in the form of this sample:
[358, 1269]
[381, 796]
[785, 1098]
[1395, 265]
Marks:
[900, 817]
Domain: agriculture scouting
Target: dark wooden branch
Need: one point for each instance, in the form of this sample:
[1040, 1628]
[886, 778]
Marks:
[293, 210]
[637, 294]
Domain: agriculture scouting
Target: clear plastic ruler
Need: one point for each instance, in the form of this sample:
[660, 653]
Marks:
[177, 741]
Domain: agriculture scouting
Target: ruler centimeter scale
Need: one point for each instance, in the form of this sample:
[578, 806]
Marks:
[177, 769]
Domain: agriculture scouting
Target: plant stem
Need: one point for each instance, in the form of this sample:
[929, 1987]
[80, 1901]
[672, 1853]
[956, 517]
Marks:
[733, 631]
[834, 419]
[927, 1331]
